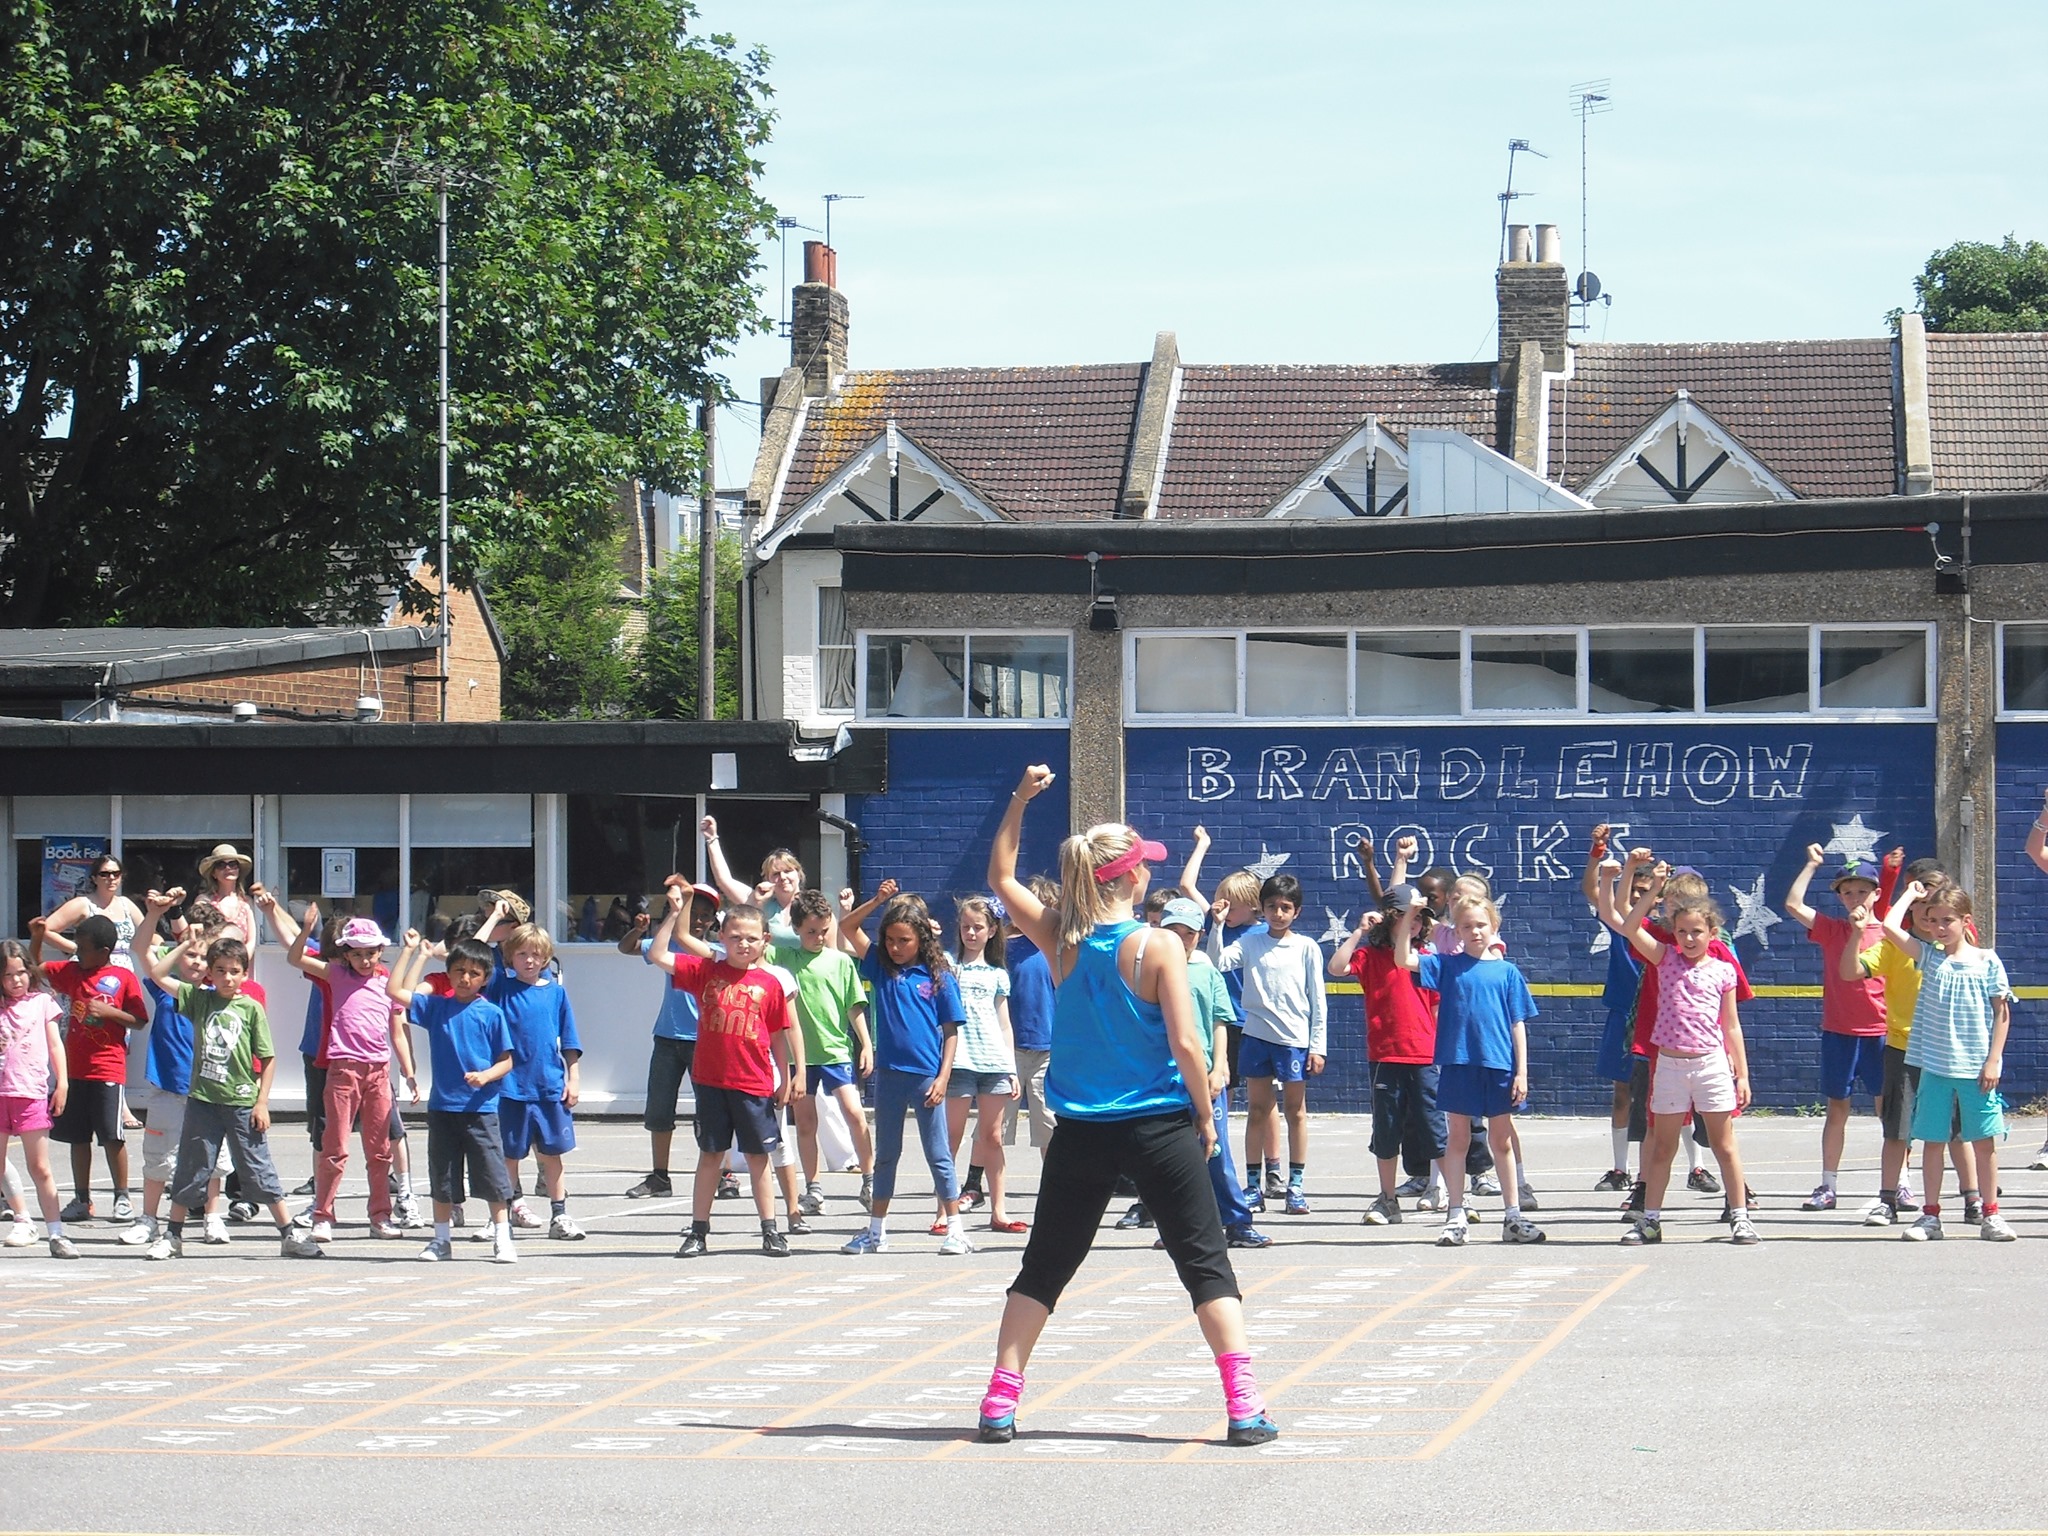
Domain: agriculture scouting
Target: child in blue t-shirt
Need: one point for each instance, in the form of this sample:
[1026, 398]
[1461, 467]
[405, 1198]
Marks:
[1482, 1052]
[534, 1109]
[470, 1046]
[915, 1022]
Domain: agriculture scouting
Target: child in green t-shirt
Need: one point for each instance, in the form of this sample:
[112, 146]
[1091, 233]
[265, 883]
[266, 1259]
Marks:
[232, 1065]
[832, 1012]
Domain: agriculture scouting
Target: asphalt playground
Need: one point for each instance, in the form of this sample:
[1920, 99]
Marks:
[1833, 1379]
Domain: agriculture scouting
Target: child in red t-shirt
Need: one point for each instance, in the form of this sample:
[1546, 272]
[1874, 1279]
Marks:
[106, 1001]
[1400, 1039]
[1852, 1014]
[744, 1019]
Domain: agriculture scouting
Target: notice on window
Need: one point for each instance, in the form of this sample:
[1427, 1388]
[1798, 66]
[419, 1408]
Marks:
[337, 873]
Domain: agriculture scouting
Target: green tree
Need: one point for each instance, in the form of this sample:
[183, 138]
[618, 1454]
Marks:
[558, 609]
[217, 266]
[667, 672]
[1974, 286]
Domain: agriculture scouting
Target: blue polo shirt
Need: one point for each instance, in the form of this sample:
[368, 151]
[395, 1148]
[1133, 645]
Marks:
[170, 1042]
[461, 1037]
[910, 1012]
[1030, 994]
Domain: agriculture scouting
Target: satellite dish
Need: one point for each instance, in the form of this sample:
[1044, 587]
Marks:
[1587, 288]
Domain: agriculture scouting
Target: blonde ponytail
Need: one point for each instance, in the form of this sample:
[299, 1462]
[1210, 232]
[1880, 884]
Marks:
[1084, 899]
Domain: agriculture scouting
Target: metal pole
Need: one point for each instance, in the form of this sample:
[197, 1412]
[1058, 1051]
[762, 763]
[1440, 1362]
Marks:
[707, 566]
[441, 204]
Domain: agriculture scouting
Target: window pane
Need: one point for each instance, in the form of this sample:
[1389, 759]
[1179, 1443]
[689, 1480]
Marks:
[1021, 677]
[223, 817]
[1757, 671]
[1639, 671]
[620, 849]
[2026, 667]
[62, 816]
[1528, 671]
[445, 881]
[482, 821]
[1187, 675]
[916, 678]
[376, 884]
[1412, 673]
[835, 651]
[1286, 676]
[335, 820]
[1873, 669]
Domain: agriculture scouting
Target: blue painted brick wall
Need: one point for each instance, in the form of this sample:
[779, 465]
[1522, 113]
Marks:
[931, 830]
[2022, 904]
[1738, 802]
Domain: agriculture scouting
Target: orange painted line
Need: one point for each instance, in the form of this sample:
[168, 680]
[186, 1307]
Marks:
[1498, 1389]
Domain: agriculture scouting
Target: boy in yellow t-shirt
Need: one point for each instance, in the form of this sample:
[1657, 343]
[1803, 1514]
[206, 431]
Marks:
[1901, 977]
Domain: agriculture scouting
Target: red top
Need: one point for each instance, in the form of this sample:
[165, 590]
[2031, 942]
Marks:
[737, 1011]
[1847, 1007]
[94, 1050]
[1400, 1017]
[1646, 991]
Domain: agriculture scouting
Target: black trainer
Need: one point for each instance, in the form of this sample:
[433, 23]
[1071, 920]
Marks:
[1633, 1210]
[655, 1186]
[694, 1246]
[774, 1244]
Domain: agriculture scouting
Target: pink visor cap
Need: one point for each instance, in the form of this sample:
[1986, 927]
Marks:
[1140, 852]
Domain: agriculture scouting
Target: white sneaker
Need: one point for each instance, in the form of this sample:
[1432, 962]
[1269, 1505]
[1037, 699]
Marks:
[1435, 1198]
[63, 1248]
[562, 1229]
[812, 1203]
[166, 1246]
[956, 1242]
[2040, 1162]
[406, 1213]
[1452, 1236]
[502, 1251]
[323, 1232]
[23, 1233]
[1994, 1228]
[1527, 1197]
[386, 1229]
[522, 1215]
[438, 1250]
[867, 1240]
[1879, 1214]
[139, 1235]
[294, 1244]
[1926, 1230]
[215, 1231]
[1521, 1230]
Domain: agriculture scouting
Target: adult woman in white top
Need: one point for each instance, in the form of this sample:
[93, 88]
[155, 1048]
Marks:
[101, 898]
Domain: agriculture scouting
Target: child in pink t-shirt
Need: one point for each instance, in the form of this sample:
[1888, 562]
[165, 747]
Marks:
[1701, 1066]
[33, 1084]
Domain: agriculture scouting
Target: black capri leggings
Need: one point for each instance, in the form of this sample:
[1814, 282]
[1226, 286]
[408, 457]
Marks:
[1163, 1157]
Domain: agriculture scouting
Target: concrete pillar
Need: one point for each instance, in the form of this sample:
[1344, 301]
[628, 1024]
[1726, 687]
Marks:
[1095, 748]
[1965, 759]
[1913, 408]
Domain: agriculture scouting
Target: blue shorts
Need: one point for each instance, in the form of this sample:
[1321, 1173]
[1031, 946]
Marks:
[726, 1115]
[526, 1127]
[1617, 1059]
[1258, 1058]
[1846, 1060]
[1466, 1088]
[1941, 1103]
[829, 1076]
[972, 1085]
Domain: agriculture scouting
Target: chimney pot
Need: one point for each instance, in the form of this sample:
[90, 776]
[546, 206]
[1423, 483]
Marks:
[1518, 242]
[1549, 249]
[821, 263]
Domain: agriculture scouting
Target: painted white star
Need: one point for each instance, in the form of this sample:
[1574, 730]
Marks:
[1852, 840]
[1603, 936]
[1751, 915]
[1267, 864]
[1338, 931]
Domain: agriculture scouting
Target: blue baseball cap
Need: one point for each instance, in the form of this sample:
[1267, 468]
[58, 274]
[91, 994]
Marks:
[1183, 913]
[1855, 869]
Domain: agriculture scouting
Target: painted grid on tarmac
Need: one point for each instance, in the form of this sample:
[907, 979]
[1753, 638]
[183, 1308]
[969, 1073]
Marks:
[749, 1358]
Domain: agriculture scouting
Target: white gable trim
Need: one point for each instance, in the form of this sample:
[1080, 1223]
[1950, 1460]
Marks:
[1165, 443]
[893, 443]
[796, 435]
[1370, 438]
[1685, 412]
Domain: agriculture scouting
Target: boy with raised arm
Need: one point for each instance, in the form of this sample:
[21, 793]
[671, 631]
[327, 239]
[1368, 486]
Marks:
[1852, 1024]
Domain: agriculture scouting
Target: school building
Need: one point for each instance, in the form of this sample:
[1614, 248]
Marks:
[1731, 598]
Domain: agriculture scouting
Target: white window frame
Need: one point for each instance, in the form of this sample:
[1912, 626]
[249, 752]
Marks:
[818, 649]
[861, 637]
[2002, 712]
[1583, 709]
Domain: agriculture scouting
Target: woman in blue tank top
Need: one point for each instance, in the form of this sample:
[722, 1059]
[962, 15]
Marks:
[1124, 1047]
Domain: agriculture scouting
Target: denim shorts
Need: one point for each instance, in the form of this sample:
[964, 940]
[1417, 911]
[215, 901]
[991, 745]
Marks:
[971, 1085]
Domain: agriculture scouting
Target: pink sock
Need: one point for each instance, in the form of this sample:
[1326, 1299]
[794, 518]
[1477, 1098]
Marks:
[1004, 1388]
[1241, 1399]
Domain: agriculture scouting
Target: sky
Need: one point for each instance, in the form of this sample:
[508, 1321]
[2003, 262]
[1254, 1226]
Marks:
[1300, 182]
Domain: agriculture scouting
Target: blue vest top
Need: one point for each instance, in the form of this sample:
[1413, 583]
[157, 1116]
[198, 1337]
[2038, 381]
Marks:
[1110, 1060]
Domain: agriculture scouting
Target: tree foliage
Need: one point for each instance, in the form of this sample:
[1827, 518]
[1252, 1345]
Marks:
[668, 676]
[1975, 286]
[558, 608]
[217, 256]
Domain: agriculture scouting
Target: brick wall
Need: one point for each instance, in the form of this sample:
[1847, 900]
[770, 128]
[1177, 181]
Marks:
[474, 671]
[2022, 903]
[1740, 803]
[321, 688]
[947, 792]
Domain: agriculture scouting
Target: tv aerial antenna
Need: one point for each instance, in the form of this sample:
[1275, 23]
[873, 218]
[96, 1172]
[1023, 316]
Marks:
[1507, 197]
[1589, 99]
[783, 225]
[838, 197]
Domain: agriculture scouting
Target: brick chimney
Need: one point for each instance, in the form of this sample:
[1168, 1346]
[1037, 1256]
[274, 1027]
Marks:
[1535, 324]
[817, 321]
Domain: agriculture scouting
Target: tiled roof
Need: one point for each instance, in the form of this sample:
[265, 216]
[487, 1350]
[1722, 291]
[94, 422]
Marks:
[1036, 442]
[1817, 413]
[1243, 436]
[1987, 408]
